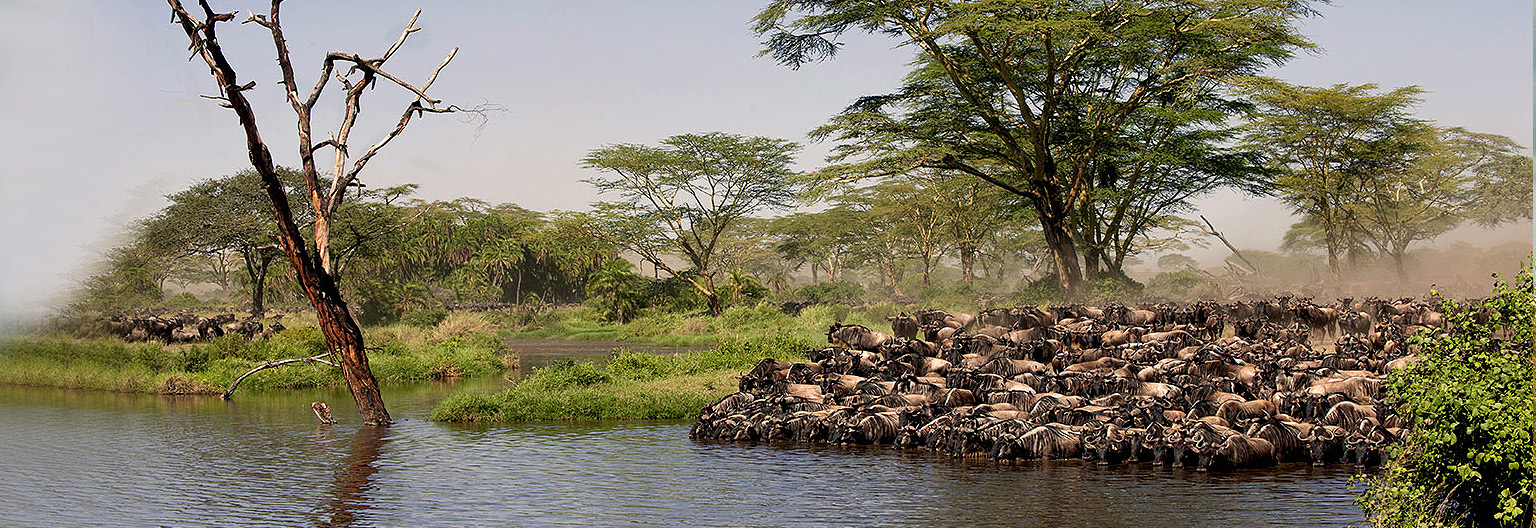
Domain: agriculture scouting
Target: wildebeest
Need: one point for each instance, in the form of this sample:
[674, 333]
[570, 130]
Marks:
[858, 337]
[903, 326]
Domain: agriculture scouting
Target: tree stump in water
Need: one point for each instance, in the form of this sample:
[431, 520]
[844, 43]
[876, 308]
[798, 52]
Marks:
[323, 412]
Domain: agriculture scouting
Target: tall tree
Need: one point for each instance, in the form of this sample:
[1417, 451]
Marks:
[683, 195]
[1168, 155]
[902, 221]
[1026, 94]
[826, 240]
[312, 262]
[219, 216]
[1325, 141]
[1457, 176]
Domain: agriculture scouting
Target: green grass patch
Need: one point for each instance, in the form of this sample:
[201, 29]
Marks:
[631, 385]
[455, 348]
[738, 323]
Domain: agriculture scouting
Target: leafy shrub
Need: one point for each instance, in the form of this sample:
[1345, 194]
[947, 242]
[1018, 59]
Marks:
[567, 374]
[830, 292]
[1114, 288]
[1468, 405]
[632, 385]
[302, 341]
[1044, 290]
[1182, 285]
[427, 318]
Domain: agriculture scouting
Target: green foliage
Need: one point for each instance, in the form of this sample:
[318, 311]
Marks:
[209, 368]
[1181, 285]
[991, 96]
[131, 279]
[680, 197]
[427, 318]
[1114, 288]
[1467, 458]
[830, 292]
[616, 290]
[1041, 291]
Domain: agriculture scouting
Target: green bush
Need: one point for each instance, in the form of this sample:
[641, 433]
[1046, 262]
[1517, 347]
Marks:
[208, 368]
[1467, 458]
[1182, 285]
[428, 318]
[1041, 291]
[830, 292]
[1114, 288]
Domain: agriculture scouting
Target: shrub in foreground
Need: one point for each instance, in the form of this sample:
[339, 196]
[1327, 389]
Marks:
[1467, 459]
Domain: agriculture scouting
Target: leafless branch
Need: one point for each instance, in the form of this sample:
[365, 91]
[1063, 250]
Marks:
[278, 363]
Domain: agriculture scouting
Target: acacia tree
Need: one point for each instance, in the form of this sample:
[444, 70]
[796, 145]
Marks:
[222, 216]
[1167, 156]
[1325, 141]
[827, 240]
[1026, 94]
[903, 220]
[1457, 176]
[312, 262]
[683, 195]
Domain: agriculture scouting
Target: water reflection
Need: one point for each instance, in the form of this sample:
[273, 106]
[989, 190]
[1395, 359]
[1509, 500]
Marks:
[96, 459]
[353, 478]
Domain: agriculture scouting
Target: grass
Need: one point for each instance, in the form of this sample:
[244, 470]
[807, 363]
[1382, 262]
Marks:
[630, 385]
[458, 347]
[739, 323]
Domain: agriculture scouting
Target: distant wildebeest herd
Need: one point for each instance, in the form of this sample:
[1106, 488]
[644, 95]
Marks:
[187, 327]
[1164, 384]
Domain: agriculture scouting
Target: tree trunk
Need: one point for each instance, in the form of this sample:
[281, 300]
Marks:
[1091, 266]
[346, 340]
[1402, 271]
[259, 287]
[341, 331]
[1063, 254]
[968, 264]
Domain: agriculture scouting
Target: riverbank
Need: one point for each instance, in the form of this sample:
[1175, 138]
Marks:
[629, 385]
[458, 347]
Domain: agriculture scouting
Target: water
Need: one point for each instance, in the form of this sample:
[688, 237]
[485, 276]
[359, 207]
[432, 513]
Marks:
[70, 458]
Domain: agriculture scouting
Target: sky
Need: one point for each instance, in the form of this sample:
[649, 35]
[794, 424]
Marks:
[104, 115]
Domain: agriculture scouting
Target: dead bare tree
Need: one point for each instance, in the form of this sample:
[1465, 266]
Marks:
[313, 262]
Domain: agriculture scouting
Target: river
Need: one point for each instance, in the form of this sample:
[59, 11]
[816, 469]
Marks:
[73, 458]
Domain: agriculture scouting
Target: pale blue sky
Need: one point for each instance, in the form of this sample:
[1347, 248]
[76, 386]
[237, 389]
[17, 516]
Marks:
[103, 115]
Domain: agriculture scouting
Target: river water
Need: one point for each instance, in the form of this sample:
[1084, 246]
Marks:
[72, 458]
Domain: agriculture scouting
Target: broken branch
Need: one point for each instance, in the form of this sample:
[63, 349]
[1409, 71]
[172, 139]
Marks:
[277, 363]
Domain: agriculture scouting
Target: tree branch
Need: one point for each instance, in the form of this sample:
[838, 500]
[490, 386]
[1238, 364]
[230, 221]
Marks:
[277, 363]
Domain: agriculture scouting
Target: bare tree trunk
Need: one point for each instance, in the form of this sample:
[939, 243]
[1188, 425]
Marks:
[312, 266]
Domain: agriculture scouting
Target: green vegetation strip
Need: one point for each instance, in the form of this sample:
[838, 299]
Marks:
[403, 354]
[756, 322]
[631, 385]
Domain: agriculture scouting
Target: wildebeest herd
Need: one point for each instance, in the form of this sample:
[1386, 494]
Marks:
[1165, 384]
[186, 327]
